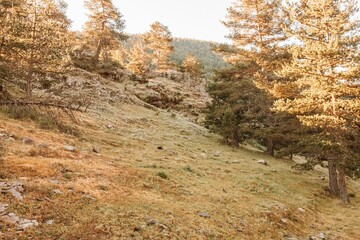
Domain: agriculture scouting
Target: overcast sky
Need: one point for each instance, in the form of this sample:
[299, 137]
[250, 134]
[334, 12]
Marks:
[198, 19]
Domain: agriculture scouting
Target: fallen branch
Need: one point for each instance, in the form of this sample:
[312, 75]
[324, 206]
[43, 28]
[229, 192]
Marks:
[66, 108]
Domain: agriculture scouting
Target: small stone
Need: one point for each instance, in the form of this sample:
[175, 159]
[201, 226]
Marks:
[204, 214]
[203, 155]
[217, 154]
[312, 238]
[49, 222]
[3, 185]
[27, 141]
[301, 210]
[87, 196]
[43, 145]
[69, 148]
[262, 162]
[96, 150]
[322, 178]
[54, 181]
[150, 222]
[109, 126]
[235, 162]
[284, 220]
[162, 226]
[16, 194]
[3, 207]
[160, 148]
[11, 139]
[25, 223]
[139, 228]
[10, 218]
[322, 236]
[57, 191]
[273, 170]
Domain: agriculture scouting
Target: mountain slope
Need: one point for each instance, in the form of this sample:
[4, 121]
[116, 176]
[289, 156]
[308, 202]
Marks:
[157, 176]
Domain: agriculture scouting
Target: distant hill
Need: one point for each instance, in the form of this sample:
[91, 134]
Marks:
[201, 49]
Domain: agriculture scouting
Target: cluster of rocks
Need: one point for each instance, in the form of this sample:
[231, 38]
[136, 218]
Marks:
[16, 189]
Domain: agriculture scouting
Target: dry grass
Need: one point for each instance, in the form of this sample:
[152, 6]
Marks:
[118, 194]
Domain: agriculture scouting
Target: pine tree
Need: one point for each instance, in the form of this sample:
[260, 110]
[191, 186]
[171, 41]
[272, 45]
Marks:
[256, 35]
[159, 42]
[139, 59]
[12, 19]
[37, 40]
[104, 29]
[321, 84]
[193, 66]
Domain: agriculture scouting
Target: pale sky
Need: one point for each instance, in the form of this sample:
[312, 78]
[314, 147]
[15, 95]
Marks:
[198, 19]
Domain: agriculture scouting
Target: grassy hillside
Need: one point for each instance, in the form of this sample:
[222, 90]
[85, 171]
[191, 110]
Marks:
[143, 173]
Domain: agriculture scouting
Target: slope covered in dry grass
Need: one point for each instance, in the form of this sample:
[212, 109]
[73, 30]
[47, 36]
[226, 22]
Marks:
[158, 176]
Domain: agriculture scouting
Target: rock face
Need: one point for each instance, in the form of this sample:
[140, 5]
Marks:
[189, 97]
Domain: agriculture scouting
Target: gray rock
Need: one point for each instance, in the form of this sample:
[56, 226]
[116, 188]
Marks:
[322, 178]
[301, 210]
[322, 236]
[57, 191]
[3, 185]
[87, 196]
[69, 148]
[217, 154]
[16, 194]
[3, 207]
[10, 218]
[49, 222]
[43, 145]
[11, 139]
[109, 126]
[262, 162]
[54, 181]
[27, 141]
[204, 214]
[96, 150]
[150, 222]
[284, 220]
[25, 223]
[162, 226]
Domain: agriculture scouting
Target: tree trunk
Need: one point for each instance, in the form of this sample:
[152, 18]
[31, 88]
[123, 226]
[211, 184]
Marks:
[333, 182]
[29, 81]
[342, 186]
[236, 138]
[270, 146]
[96, 57]
[30, 75]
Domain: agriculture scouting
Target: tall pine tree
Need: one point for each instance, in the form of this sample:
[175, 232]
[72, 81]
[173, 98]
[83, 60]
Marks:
[321, 84]
[104, 29]
[159, 42]
[255, 55]
[36, 39]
